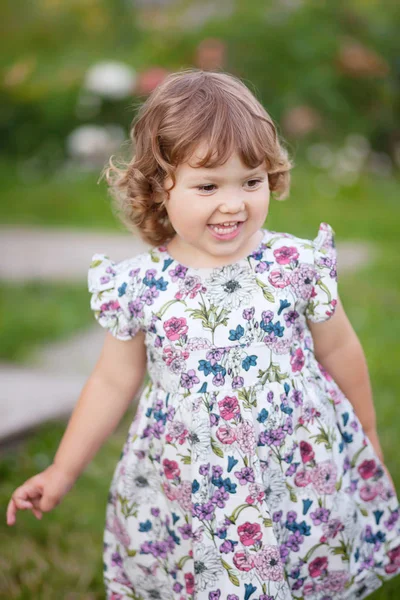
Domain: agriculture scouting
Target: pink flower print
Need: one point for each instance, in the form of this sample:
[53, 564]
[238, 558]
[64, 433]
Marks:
[279, 278]
[394, 557]
[246, 438]
[332, 528]
[175, 327]
[318, 566]
[249, 533]
[184, 495]
[243, 561]
[297, 360]
[324, 372]
[285, 254]
[120, 532]
[368, 492]
[312, 588]
[171, 469]
[367, 469]
[226, 434]
[302, 280]
[336, 581]
[113, 305]
[306, 451]
[189, 583]
[268, 563]
[170, 354]
[171, 491]
[229, 407]
[190, 286]
[302, 478]
[324, 477]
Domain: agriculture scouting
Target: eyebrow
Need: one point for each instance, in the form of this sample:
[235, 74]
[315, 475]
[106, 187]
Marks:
[205, 175]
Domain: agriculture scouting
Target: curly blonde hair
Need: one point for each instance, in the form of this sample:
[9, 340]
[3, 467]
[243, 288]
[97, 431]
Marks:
[189, 107]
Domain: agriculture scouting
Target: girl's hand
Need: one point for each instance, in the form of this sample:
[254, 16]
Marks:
[40, 493]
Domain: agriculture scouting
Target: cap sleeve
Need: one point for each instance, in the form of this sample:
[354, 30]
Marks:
[322, 302]
[112, 287]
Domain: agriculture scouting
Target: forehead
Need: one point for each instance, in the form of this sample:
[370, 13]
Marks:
[233, 165]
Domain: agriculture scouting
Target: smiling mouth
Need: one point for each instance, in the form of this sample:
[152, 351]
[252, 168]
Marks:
[226, 227]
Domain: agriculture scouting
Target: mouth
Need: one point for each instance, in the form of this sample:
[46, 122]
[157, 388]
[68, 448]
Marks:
[225, 231]
[225, 228]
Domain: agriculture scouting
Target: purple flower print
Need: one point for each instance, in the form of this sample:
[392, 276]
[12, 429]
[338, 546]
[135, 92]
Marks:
[291, 317]
[204, 512]
[214, 595]
[116, 559]
[214, 355]
[392, 520]
[204, 469]
[186, 531]
[227, 546]
[178, 272]
[218, 379]
[297, 398]
[273, 437]
[232, 597]
[248, 313]
[267, 316]
[177, 587]
[294, 541]
[237, 382]
[245, 475]
[136, 308]
[189, 379]
[155, 511]
[216, 471]
[320, 515]
[277, 516]
[220, 496]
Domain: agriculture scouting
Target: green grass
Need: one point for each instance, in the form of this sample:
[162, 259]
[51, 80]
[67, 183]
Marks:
[39, 312]
[61, 556]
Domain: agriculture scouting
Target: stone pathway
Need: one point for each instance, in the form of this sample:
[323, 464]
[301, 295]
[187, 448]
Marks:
[50, 386]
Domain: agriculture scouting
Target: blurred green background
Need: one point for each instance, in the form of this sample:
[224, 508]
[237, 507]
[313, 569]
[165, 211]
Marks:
[72, 74]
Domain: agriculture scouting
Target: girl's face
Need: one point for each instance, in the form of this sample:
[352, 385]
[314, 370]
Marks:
[217, 213]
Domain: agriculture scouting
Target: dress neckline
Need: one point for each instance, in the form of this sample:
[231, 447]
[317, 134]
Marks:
[163, 250]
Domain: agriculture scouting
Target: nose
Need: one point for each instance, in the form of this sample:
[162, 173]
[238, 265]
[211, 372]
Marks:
[232, 205]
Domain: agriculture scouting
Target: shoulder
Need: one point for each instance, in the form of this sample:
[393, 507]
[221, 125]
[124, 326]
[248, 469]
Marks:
[287, 243]
[105, 272]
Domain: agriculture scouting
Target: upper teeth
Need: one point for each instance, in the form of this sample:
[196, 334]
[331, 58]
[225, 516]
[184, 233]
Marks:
[225, 227]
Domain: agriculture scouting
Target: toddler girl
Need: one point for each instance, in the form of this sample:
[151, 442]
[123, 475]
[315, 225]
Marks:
[252, 469]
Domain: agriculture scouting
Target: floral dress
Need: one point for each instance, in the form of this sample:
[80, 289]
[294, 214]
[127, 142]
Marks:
[246, 474]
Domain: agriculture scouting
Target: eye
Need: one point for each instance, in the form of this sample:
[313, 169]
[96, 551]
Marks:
[205, 188]
[255, 181]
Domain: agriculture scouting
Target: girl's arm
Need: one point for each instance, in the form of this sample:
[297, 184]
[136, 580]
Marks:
[338, 350]
[107, 394]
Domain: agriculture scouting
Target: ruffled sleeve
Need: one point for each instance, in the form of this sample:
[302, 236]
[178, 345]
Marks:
[322, 303]
[113, 299]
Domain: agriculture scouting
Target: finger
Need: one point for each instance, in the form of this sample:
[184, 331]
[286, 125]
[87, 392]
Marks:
[27, 491]
[11, 512]
[22, 504]
[38, 513]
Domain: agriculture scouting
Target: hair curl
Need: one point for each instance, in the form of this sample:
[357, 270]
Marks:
[189, 107]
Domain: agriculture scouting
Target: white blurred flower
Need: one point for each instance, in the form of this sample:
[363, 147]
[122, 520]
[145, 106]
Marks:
[93, 144]
[112, 80]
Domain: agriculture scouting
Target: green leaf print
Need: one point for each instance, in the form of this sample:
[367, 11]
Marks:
[268, 295]
[231, 576]
[216, 449]
[272, 374]
[95, 264]
[341, 550]
[154, 257]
